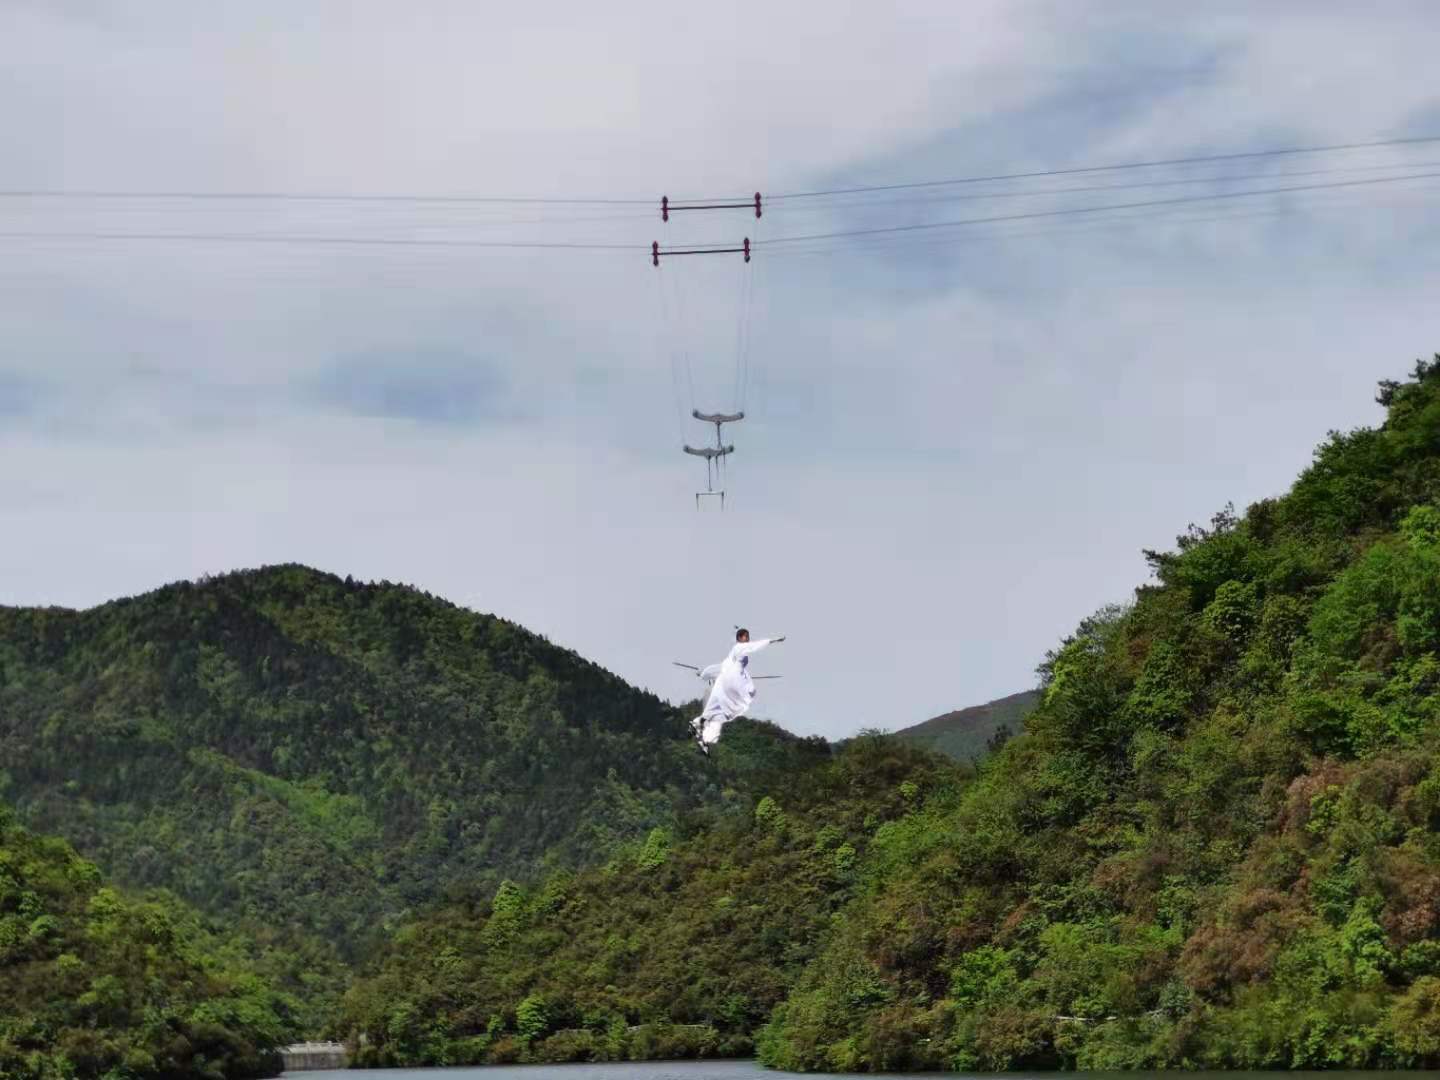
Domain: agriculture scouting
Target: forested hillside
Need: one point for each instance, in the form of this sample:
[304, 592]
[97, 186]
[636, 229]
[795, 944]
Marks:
[679, 946]
[1216, 844]
[313, 757]
[970, 734]
[94, 984]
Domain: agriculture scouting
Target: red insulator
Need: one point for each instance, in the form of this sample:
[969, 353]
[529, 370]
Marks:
[664, 207]
[655, 253]
[747, 249]
[757, 204]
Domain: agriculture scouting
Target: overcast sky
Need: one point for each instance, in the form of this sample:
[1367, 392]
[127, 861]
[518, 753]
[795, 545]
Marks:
[957, 442]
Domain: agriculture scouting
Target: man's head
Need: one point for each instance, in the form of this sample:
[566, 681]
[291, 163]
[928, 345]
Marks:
[742, 635]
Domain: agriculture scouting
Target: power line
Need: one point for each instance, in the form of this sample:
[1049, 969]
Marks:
[1196, 160]
[399, 216]
[1156, 218]
[303, 196]
[347, 241]
[381, 198]
[1040, 193]
[867, 204]
[416, 242]
[1067, 211]
[420, 242]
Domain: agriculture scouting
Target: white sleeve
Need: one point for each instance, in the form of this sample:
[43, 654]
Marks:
[749, 647]
[711, 673]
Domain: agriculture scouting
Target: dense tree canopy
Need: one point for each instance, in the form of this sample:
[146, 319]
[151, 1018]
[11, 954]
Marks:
[96, 984]
[312, 758]
[679, 945]
[1216, 843]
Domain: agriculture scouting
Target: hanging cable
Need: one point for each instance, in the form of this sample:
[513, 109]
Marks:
[1109, 207]
[678, 294]
[746, 201]
[655, 252]
[306, 196]
[343, 241]
[1046, 192]
[739, 334]
[748, 300]
[670, 351]
[1157, 218]
[1078, 170]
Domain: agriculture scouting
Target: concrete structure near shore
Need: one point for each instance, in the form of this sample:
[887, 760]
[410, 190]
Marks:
[314, 1055]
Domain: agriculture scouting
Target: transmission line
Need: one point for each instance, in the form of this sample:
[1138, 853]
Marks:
[99, 194]
[650, 250]
[346, 241]
[1079, 189]
[1072, 210]
[307, 196]
[1039, 173]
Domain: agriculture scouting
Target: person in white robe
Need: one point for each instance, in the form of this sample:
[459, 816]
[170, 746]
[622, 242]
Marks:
[732, 690]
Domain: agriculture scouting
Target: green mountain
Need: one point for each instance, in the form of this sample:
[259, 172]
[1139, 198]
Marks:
[312, 757]
[1218, 841]
[970, 734]
[679, 946]
[96, 984]
[1215, 844]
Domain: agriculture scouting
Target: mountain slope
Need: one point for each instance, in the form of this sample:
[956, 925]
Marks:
[679, 946]
[312, 756]
[969, 734]
[1218, 841]
[93, 983]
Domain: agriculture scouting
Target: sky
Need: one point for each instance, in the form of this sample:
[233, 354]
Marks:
[957, 441]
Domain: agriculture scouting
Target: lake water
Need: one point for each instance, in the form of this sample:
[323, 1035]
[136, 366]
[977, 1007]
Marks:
[748, 1070]
[618, 1070]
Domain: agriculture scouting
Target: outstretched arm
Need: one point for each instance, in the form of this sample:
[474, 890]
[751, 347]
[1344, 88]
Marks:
[749, 647]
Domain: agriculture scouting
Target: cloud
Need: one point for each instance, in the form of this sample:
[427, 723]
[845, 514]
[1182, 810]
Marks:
[954, 448]
[413, 385]
[19, 395]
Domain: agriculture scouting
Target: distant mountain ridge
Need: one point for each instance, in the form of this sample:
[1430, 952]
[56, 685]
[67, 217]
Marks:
[966, 734]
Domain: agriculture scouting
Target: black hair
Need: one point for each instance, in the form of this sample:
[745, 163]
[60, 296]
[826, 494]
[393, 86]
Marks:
[742, 632]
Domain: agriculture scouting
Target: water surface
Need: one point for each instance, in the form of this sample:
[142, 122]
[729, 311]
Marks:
[612, 1070]
[749, 1070]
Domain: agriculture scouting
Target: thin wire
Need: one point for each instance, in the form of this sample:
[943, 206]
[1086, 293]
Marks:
[667, 347]
[1110, 207]
[739, 334]
[359, 248]
[1196, 160]
[414, 242]
[751, 277]
[1059, 232]
[297, 196]
[1214, 178]
[453, 224]
[347, 241]
[1151, 220]
[753, 272]
[684, 342]
[291, 196]
[398, 267]
[397, 216]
